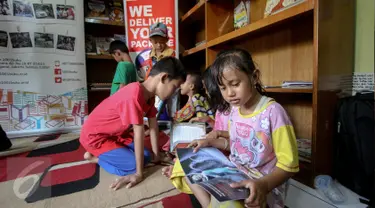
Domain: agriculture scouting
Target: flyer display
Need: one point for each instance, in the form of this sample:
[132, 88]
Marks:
[42, 66]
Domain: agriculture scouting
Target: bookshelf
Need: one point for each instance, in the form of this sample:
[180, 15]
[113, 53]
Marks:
[100, 68]
[312, 41]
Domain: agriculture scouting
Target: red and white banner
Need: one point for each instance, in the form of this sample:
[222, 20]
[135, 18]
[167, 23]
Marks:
[141, 14]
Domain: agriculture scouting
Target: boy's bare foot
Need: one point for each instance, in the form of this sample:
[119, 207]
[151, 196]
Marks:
[167, 171]
[88, 156]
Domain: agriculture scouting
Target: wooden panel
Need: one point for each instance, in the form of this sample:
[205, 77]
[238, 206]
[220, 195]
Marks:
[299, 109]
[219, 18]
[334, 45]
[284, 53]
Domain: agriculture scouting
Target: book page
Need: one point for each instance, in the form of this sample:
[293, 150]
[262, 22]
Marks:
[186, 133]
[212, 170]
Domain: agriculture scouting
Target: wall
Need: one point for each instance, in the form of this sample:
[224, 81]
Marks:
[363, 78]
[364, 43]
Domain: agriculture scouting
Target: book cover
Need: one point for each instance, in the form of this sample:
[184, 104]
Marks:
[276, 6]
[210, 169]
[242, 14]
[97, 9]
[184, 133]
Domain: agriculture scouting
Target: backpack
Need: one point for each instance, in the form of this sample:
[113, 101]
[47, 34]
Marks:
[354, 144]
[4, 140]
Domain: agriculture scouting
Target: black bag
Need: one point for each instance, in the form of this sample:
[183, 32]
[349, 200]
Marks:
[4, 140]
[354, 144]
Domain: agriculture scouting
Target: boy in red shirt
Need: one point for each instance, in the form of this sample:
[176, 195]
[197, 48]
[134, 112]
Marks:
[106, 133]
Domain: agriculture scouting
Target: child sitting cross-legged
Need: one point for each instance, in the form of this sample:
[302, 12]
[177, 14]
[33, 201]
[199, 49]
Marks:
[219, 125]
[107, 134]
[262, 141]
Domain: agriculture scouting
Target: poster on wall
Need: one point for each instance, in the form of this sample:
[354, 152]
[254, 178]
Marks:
[42, 66]
[139, 16]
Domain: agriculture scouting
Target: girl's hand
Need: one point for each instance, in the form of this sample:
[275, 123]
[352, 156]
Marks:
[212, 135]
[258, 192]
[199, 143]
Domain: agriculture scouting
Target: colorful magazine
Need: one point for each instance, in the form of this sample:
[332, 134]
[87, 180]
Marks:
[210, 169]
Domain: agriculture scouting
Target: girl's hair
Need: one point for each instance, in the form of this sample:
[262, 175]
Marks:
[215, 98]
[238, 59]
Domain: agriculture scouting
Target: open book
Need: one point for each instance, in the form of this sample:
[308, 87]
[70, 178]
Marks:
[210, 169]
[183, 134]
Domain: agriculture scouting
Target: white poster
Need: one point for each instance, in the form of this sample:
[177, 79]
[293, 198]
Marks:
[42, 66]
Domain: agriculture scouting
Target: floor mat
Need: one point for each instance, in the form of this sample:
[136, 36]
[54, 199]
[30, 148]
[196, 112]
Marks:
[180, 200]
[38, 160]
[61, 180]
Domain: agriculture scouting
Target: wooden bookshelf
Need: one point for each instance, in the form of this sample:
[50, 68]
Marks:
[100, 68]
[104, 22]
[196, 12]
[311, 41]
[194, 50]
[290, 90]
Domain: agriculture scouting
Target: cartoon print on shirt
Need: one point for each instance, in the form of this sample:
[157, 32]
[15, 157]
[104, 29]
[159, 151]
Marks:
[248, 145]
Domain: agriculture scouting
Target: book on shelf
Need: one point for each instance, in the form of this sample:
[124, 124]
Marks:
[102, 45]
[184, 133]
[304, 149]
[242, 14]
[296, 84]
[276, 6]
[97, 9]
[90, 45]
[292, 84]
[214, 172]
[116, 11]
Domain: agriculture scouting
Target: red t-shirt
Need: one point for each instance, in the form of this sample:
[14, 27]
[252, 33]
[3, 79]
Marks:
[107, 125]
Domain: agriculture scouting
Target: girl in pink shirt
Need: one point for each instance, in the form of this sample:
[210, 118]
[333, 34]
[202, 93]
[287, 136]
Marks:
[261, 142]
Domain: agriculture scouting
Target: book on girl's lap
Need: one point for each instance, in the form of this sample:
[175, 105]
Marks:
[182, 134]
[212, 170]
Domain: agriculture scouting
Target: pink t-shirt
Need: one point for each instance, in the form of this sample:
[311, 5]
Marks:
[107, 125]
[221, 121]
[262, 141]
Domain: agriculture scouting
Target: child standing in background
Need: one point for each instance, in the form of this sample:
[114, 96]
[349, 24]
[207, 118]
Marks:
[106, 134]
[125, 71]
[160, 49]
[262, 139]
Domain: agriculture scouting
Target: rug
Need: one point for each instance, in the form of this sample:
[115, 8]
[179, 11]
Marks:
[180, 200]
[52, 174]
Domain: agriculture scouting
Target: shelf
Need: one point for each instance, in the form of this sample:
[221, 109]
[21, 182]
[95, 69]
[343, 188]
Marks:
[289, 90]
[104, 22]
[99, 57]
[194, 50]
[196, 11]
[263, 23]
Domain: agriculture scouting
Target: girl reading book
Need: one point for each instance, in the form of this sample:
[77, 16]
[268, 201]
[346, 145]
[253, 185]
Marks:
[219, 125]
[262, 140]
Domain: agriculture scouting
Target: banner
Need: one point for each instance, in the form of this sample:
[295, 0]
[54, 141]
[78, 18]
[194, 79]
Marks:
[42, 66]
[140, 15]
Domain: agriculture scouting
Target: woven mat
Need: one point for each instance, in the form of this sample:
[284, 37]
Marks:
[153, 188]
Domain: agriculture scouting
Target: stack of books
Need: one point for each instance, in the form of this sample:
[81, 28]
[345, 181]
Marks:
[304, 150]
